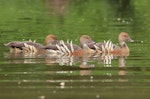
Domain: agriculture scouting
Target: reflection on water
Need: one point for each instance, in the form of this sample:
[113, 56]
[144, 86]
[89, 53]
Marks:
[66, 60]
[64, 75]
[84, 63]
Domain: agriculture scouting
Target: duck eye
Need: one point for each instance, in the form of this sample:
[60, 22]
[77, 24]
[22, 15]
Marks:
[125, 36]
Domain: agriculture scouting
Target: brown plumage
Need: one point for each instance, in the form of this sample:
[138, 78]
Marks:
[123, 50]
[85, 40]
[31, 46]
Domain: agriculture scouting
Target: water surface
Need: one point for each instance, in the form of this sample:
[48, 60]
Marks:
[47, 76]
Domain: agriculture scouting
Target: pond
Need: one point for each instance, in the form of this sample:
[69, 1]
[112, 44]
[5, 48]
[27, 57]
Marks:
[44, 76]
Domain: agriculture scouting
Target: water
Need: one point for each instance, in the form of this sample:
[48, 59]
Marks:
[49, 77]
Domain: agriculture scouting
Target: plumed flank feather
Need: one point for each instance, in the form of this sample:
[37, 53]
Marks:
[34, 49]
[71, 45]
[97, 49]
[68, 48]
[26, 45]
[60, 41]
[67, 41]
[17, 50]
[103, 49]
[110, 46]
[34, 41]
[30, 40]
[104, 41]
[106, 45]
[65, 47]
[30, 47]
[25, 49]
[58, 47]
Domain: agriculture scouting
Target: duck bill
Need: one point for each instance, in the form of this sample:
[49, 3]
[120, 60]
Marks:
[91, 42]
[130, 40]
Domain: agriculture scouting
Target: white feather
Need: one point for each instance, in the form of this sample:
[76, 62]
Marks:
[106, 46]
[71, 46]
[34, 41]
[107, 43]
[34, 49]
[97, 49]
[30, 47]
[67, 41]
[26, 45]
[104, 41]
[58, 48]
[103, 48]
[30, 40]
[65, 47]
[62, 48]
[109, 46]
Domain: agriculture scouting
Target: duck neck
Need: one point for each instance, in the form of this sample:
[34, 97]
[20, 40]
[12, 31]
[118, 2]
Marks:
[123, 44]
[86, 49]
[124, 47]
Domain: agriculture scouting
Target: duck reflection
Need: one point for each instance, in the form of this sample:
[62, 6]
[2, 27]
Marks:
[105, 59]
[122, 61]
[85, 67]
[122, 72]
[85, 63]
[21, 58]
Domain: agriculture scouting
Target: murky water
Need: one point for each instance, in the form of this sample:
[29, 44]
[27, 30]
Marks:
[46, 76]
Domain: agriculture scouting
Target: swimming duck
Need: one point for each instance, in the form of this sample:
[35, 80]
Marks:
[115, 49]
[85, 41]
[123, 49]
[32, 46]
[90, 47]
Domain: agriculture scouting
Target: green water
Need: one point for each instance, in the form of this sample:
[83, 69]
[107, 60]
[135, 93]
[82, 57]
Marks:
[50, 77]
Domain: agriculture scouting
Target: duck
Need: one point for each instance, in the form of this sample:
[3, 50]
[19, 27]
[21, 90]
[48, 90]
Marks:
[85, 42]
[123, 50]
[31, 46]
[114, 49]
[90, 47]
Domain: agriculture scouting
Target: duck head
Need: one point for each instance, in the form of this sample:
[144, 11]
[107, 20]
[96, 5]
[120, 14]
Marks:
[51, 39]
[86, 40]
[124, 37]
